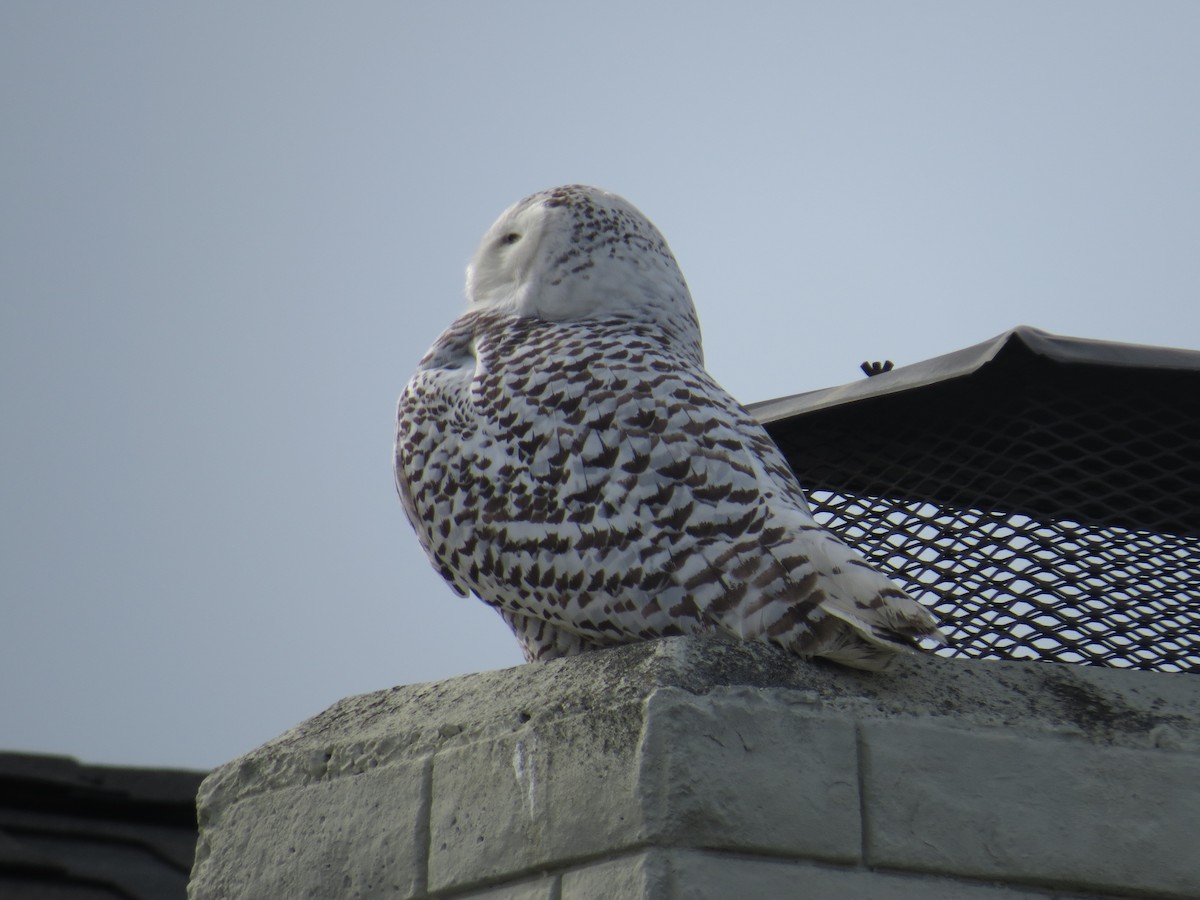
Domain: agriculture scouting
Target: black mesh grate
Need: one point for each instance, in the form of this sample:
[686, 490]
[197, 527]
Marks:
[1043, 511]
[1006, 586]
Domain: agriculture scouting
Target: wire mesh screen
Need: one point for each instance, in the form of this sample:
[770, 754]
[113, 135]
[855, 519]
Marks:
[1042, 511]
[1006, 586]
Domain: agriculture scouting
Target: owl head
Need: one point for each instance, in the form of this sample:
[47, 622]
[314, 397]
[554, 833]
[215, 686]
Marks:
[578, 253]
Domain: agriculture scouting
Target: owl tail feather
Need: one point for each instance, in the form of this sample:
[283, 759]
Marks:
[876, 634]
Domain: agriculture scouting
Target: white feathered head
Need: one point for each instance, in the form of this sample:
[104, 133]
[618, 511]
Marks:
[576, 253]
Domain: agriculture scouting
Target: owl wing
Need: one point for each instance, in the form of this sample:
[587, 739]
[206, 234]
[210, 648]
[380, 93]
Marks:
[585, 477]
[420, 469]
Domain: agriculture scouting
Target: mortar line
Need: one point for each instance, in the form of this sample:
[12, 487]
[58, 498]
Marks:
[425, 827]
[861, 753]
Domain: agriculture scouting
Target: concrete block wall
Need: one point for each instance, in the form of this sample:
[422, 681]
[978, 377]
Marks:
[699, 768]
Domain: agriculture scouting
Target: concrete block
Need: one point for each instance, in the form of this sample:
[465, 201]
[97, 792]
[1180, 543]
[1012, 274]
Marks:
[707, 743]
[745, 769]
[706, 876]
[1015, 807]
[545, 796]
[636, 876]
[356, 838]
[698, 875]
[541, 888]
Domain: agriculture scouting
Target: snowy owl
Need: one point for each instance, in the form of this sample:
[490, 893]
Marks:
[563, 454]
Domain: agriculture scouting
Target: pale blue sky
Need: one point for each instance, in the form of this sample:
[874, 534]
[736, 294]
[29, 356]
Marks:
[230, 230]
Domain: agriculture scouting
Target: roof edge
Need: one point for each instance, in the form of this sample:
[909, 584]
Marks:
[1056, 348]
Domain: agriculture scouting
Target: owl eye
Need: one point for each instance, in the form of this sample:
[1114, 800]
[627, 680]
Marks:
[511, 238]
